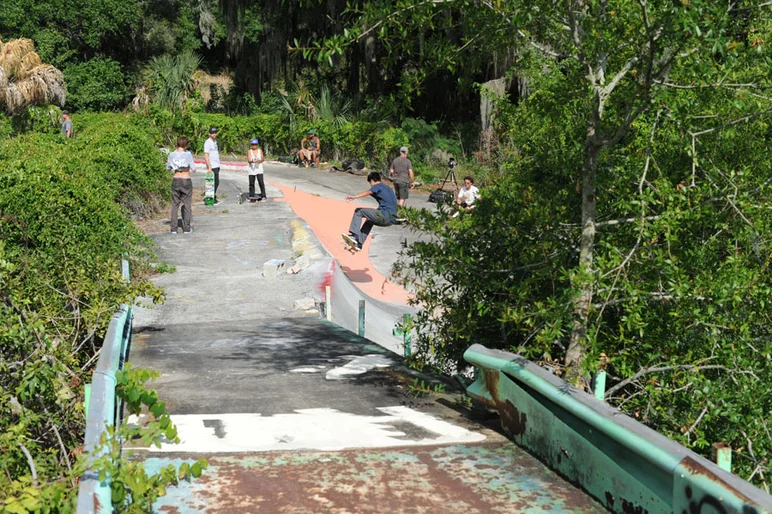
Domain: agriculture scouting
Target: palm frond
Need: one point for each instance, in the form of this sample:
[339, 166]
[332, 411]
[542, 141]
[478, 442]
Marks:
[171, 79]
[25, 80]
[333, 108]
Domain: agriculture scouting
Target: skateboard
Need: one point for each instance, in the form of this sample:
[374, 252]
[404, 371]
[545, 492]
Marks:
[252, 199]
[349, 244]
[209, 189]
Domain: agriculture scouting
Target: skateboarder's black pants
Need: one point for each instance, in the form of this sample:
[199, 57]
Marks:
[260, 181]
[216, 172]
[371, 217]
[182, 193]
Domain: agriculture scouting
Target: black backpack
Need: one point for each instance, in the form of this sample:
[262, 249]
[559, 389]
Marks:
[353, 165]
[440, 196]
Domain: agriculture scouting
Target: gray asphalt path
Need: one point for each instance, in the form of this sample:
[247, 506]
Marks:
[229, 340]
[294, 413]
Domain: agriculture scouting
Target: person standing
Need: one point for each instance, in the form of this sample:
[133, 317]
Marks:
[212, 156]
[180, 163]
[66, 125]
[255, 159]
[383, 216]
[402, 176]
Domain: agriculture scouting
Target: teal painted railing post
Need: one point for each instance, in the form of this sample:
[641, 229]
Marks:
[722, 456]
[86, 397]
[599, 387]
[406, 332]
[361, 318]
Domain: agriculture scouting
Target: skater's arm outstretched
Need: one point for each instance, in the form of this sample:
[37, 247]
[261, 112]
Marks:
[360, 195]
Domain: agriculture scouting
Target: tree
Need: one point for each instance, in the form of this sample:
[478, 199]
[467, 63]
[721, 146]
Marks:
[25, 80]
[98, 85]
[629, 229]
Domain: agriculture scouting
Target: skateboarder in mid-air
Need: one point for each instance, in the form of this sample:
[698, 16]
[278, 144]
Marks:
[383, 216]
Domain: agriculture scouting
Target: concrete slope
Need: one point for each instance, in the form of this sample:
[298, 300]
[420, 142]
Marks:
[381, 318]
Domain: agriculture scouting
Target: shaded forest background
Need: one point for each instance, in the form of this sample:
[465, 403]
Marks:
[103, 47]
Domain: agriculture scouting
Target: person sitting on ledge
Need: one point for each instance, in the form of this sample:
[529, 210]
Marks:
[467, 195]
[310, 147]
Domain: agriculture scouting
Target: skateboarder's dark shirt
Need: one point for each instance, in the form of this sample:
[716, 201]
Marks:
[387, 201]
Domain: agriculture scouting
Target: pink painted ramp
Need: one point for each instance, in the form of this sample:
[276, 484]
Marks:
[330, 218]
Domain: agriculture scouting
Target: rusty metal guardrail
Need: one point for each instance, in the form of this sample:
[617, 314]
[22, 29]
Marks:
[627, 466]
[102, 410]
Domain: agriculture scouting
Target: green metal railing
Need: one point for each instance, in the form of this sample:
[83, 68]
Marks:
[625, 465]
[102, 410]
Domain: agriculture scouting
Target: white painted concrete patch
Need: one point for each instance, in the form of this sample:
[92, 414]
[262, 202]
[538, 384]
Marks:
[306, 370]
[358, 366]
[309, 429]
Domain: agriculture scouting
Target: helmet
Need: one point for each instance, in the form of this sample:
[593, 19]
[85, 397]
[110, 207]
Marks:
[254, 141]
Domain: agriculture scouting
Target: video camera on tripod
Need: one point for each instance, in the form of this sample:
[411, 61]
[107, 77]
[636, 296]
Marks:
[442, 196]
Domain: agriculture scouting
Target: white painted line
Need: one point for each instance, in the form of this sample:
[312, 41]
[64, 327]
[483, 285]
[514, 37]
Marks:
[306, 370]
[359, 365]
[310, 429]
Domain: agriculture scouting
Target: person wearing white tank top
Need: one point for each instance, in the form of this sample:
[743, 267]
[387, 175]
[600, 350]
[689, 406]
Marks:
[255, 159]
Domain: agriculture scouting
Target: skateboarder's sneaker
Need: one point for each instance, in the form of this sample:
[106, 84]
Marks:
[351, 242]
[174, 231]
[217, 202]
[187, 231]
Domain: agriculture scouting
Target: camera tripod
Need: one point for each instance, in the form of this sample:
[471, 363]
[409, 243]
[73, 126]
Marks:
[451, 177]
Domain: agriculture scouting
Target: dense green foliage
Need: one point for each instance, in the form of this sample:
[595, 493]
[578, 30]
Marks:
[65, 209]
[632, 216]
[431, 74]
[96, 85]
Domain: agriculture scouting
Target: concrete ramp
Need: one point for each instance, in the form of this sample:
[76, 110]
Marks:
[381, 318]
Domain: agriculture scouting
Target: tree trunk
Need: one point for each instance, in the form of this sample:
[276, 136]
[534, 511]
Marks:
[489, 93]
[577, 347]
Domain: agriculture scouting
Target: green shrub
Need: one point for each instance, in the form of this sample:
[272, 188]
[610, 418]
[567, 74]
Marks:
[37, 118]
[64, 226]
[96, 85]
[376, 143]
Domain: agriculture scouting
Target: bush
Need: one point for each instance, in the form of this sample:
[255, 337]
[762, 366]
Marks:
[96, 85]
[63, 206]
[375, 143]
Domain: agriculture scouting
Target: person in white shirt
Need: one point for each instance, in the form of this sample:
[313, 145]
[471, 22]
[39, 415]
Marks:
[180, 163]
[212, 156]
[468, 195]
[255, 159]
